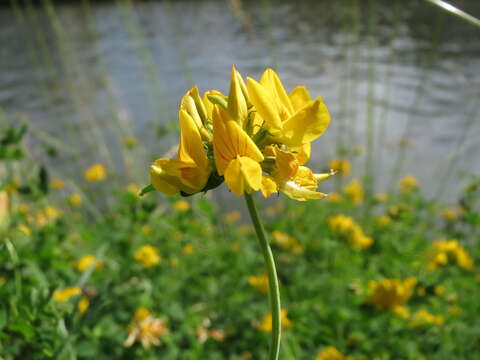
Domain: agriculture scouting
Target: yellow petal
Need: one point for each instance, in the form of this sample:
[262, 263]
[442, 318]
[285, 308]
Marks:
[306, 124]
[237, 105]
[297, 192]
[208, 104]
[302, 153]
[265, 104]
[269, 186]
[199, 104]
[161, 180]
[286, 166]
[243, 174]
[325, 176]
[303, 186]
[191, 145]
[230, 141]
[299, 97]
[272, 82]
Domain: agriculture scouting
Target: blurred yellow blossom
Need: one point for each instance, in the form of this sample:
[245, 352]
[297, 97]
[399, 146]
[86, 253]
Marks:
[259, 282]
[95, 173]
[75, 200]
[334, 197]
[354, 191]
[133, 189]
[348, 228]
[391, 294]
[286, 242]
[245, 229]
[188, 249]
[12, 186]
[130, 141]
[342, 166]
[408, 184]
[449, 251]
[64, 295]
[270, 211]
[384, 220]
[146, 229]
[147, 256]
[452, 213]
[23, 209]
[217, 335]
[57, 184]
[86, 261]
[145, 329]
[381, 197]
[423, 317]
[181, 205]
[440, 290]
[455, 310]
[24, 229]
[232, 217]
[83, 305]
[331, 353]
[2, 280]
[266, 323]
[46, 216]
[140, 314]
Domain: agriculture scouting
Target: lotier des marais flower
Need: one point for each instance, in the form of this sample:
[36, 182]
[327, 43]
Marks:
[258, 138]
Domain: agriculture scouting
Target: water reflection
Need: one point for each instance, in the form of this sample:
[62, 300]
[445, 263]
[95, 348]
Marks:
[91, 75]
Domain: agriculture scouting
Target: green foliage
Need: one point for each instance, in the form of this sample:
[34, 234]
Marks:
[324, 286]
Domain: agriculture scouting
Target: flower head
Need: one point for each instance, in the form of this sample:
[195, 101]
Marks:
[147, 256]
[408, 184]
[75, 200]
[64, 295]
[259, 282]
[84, 263]
[145, 329]
[331, 353]
[449, 251]
[342, 166]
[256, 139]
[95, 173]
[391, 294]
[266, 323]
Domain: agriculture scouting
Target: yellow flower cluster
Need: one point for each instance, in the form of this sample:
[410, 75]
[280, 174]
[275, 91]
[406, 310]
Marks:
[383, 221]
[392, 294]
[348, 228]
[331, 353]
[95, 173]
[449, 251]
[86, 261]
[181, 206]
[286, 242]
[259, 282]
[64, 295]
[342, 166]
[145, 329]
[354, 191]
[423, 317]
[75, 200]
[147, 256]
[45, 216]
[57, 184]
[408, 184]
[266, 323]
[258, 138]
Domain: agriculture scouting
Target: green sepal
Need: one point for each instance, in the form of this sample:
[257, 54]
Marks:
[146, 190]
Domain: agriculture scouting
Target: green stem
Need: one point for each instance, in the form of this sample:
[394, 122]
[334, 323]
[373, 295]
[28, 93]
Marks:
[272, 278]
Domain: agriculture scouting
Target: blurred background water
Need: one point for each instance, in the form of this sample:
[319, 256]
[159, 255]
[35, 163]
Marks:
[401, 79]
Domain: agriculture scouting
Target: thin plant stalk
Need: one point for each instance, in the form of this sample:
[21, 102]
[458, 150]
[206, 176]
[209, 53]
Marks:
[272, 278]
